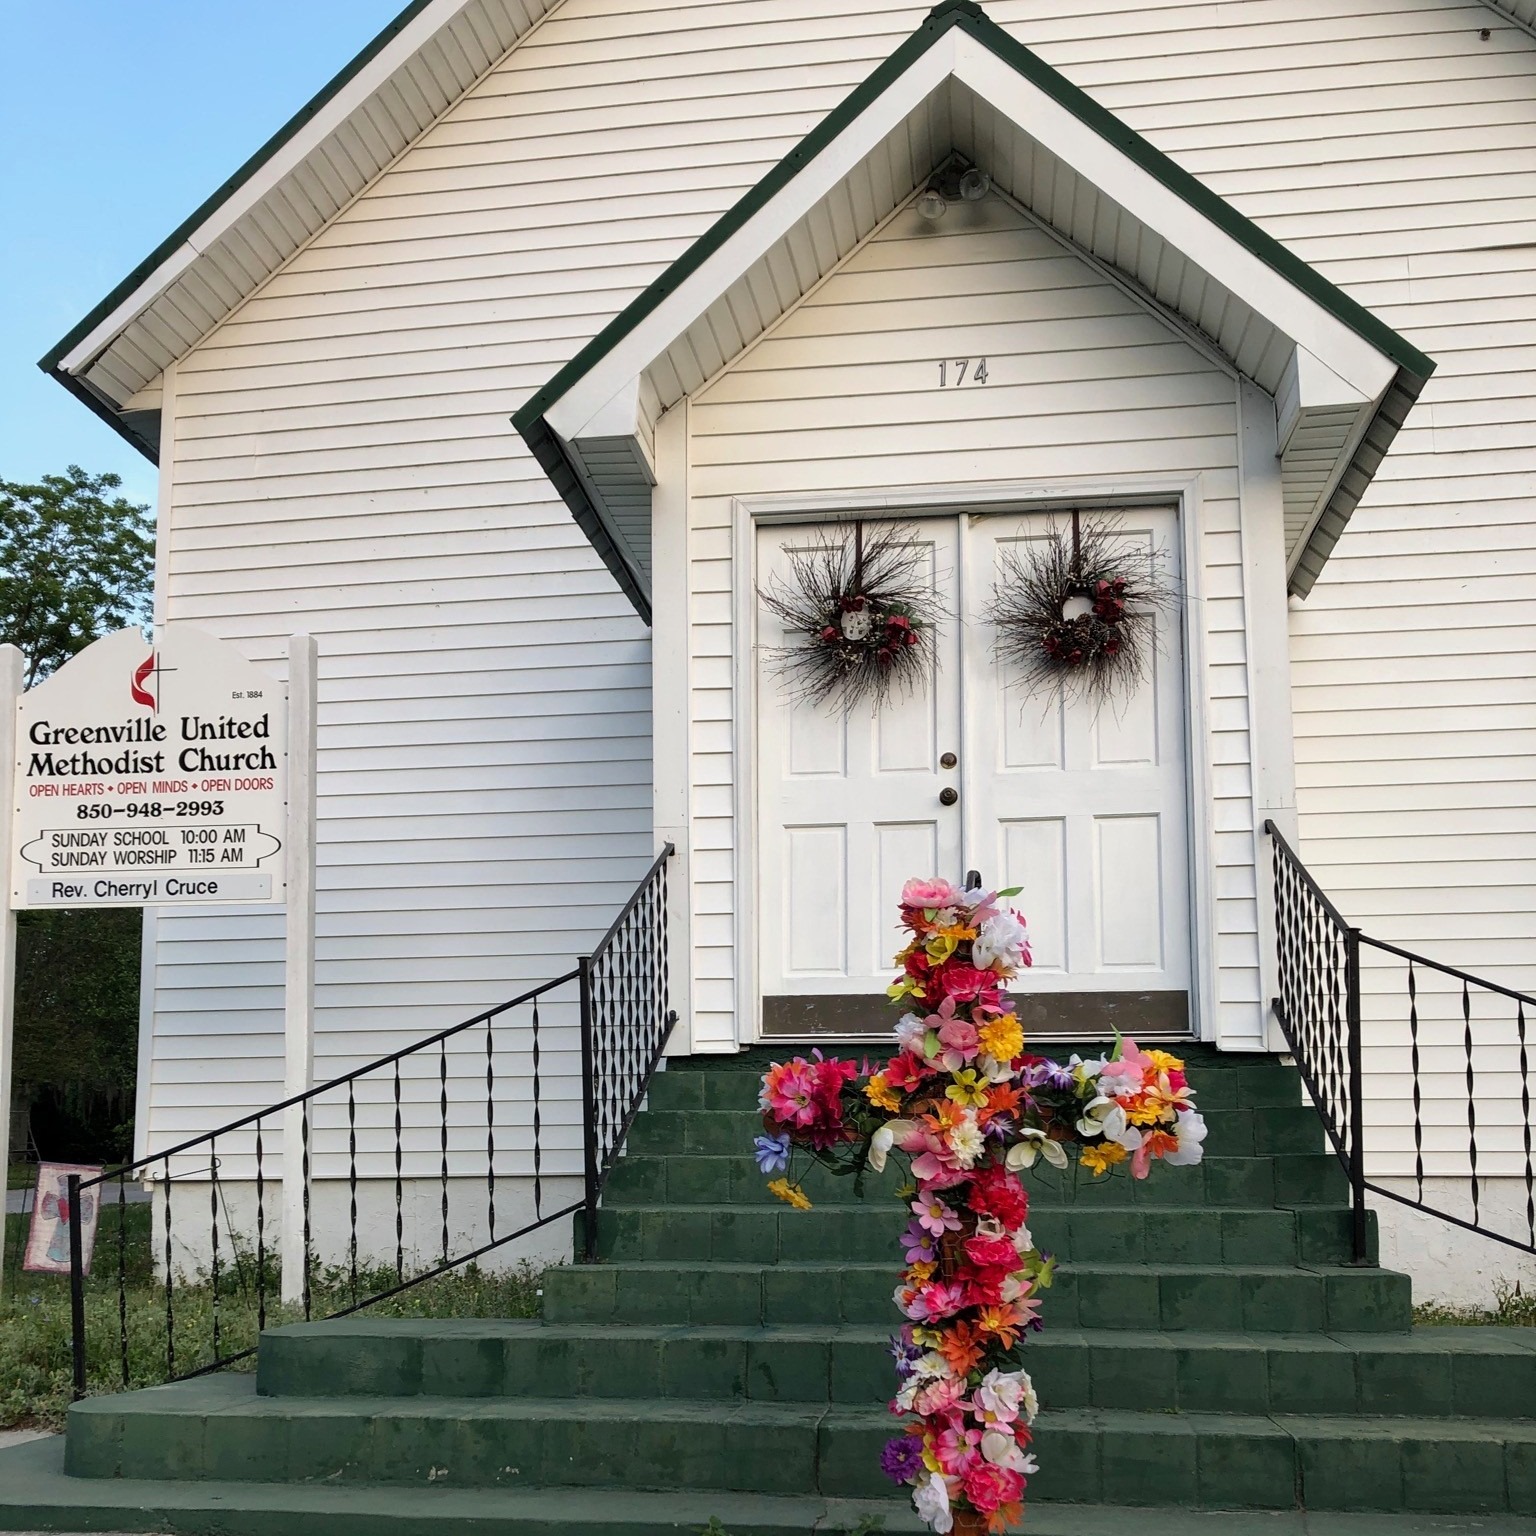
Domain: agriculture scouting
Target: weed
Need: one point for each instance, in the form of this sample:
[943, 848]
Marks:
[1512, 1308]
[36, 1368]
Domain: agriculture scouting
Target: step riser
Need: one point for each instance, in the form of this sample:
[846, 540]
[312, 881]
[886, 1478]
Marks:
[1197, 1376]
[1231, 1465]
[720, 1133]
[862, 1235]
[1293, 1179]
[1279, 1302]
[696, 1086]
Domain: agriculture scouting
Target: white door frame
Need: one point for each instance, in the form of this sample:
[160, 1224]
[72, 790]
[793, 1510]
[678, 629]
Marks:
[1183, 493]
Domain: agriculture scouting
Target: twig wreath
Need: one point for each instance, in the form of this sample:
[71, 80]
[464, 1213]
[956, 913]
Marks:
[1076, 612]
[863, 615]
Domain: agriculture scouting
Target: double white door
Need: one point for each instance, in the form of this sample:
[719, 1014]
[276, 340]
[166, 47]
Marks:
[1082, 805]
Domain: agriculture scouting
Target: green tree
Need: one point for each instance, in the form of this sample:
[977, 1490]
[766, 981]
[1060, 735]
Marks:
[76, 562]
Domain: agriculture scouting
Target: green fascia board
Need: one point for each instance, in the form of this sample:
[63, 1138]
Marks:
[49, 363]
[970, 18]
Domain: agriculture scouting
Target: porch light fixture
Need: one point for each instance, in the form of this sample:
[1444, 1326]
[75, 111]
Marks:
[953, 183]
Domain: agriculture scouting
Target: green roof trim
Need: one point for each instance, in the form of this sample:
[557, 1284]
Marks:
[49, 363]
[971, 19]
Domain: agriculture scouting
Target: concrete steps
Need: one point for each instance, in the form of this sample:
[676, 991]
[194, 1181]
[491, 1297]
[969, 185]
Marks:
[1210, 1361]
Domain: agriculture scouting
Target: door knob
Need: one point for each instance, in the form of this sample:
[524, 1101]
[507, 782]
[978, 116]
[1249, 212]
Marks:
[948, 795]
[949, 760]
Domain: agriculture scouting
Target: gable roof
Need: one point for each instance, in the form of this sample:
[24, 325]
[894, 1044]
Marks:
[316, 163]
[1342, 379]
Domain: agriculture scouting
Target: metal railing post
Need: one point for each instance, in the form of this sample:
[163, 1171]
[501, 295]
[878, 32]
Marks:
[77, 1286]
[1358, 1231]
[588, 1112]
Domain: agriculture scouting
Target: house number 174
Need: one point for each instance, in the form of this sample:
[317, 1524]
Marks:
[960, 365]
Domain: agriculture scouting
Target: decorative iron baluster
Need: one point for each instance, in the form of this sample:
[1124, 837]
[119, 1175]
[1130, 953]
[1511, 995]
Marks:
[352, 1187]
[1466, 1020]
[399, 1184]
[213, 1208]
[1525, 1123]
[308, 1236]
[122, 1272]
[538, 1129]
[1418, 1098]
[170, 1306]
[261, 1238]
[442, 1074]
[490, 1128]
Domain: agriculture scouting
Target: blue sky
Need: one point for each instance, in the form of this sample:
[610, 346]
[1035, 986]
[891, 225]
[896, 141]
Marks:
[117, 121]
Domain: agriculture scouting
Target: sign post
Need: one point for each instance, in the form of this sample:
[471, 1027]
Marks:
[11, 672]
[299, 991]
[165, 774]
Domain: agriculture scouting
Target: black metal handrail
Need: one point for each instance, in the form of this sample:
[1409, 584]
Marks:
[1323, 997]
[625, 1020]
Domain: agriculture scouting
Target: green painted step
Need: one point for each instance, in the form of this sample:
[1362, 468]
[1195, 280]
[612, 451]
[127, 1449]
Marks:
[36, 1496]
[220, 1428]
[1462, 1372]
[869, 1231]
[1237, 1132]
[1287, 1179]
[1262, 1298]
[732, 1082]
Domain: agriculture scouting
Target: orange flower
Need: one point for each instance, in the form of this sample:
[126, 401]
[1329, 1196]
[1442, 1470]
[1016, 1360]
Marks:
[961, 1348]
[1005, 1517]
[880, 1093]
[1002, 1099]
[1160, 1143]
[1001, 1322]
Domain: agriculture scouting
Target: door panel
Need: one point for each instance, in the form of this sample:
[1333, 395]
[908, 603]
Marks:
[1082, 806]
[848, 806]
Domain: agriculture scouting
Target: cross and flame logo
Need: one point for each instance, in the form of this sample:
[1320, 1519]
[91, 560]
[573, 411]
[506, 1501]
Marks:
[145, 670]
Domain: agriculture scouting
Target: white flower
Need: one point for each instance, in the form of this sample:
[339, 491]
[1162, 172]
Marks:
[966, 1141]
[1190, 1131]
[1002, 1450]
[910, 1032]
[1023, 1241]
[880, 1145]
[1091, 1121]
[932, 1365]
[1003, 937]
[1033, 1144]
[931, 1500]
[856, 625]
[999, 1393]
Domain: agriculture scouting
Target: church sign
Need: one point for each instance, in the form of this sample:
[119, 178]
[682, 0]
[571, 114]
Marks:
[149, 774]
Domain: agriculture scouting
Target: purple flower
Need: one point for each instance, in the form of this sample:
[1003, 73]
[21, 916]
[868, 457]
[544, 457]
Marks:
[772, 1153]
[1047, 1074]
[919, 1245]
[905, 1353]
[902, 1458]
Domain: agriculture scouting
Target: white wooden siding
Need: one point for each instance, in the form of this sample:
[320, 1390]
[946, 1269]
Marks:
[843, 396]
[342, 446]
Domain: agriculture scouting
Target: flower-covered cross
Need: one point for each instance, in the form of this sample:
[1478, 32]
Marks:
[968, 1109]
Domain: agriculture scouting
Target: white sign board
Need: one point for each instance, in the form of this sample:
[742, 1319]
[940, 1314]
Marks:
[148, 775]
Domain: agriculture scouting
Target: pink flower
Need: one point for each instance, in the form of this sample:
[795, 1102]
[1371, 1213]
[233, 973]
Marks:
[931, 1303]
[939, 1396]
[958, 1449]
[790, 1091]
[934, 1216]
[929, 894]
[958, 1036]
[966, 984]
[987, 1486]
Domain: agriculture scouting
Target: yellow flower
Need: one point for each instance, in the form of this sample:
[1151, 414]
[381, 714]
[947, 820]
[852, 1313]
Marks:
[1164, 1062]
[929, 1338]
[921, 1271]
[941, 946]
[968, 1088]
[790, 1194]
[1001, 1039]
[881, 1094]
[1099, 1158]
[899, 989]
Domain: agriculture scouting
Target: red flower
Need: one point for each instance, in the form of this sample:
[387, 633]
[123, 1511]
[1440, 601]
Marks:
[830, 633]
[992, 1253]
[996, 1192]
[987, 1486]
[966, 984]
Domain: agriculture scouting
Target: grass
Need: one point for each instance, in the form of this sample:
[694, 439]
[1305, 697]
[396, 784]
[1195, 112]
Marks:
[35, 1359]
[20, 1175]
[1512, 1308]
